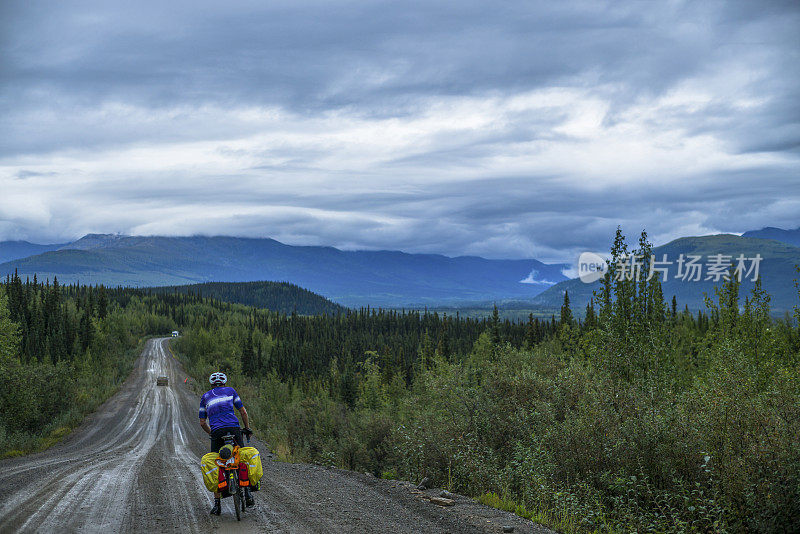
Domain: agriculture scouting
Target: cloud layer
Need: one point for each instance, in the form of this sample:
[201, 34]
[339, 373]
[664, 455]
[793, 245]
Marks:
[518, 129]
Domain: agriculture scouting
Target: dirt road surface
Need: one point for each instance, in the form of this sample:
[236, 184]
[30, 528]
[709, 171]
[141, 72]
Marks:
[133, 466]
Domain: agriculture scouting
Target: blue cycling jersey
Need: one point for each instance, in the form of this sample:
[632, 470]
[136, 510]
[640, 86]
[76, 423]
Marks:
[217, 406]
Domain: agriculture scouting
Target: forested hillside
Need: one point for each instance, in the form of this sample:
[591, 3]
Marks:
[275, 296]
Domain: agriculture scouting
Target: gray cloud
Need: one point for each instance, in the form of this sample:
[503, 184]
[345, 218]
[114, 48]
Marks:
[507, 130]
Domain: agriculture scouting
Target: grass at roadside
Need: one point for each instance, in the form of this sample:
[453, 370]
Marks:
[560, 521]
[91, 393]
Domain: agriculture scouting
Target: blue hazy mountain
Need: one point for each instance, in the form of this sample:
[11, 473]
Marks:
[352, 278]
[790, 237]
[13, 250]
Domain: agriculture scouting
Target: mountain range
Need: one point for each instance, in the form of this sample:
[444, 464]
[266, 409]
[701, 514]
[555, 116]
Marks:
[12, 250]
[790, 237]
[382, 278]
[351, 278]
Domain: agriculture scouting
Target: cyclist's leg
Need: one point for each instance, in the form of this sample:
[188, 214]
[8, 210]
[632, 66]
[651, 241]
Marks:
[237, 433]
[216, 439]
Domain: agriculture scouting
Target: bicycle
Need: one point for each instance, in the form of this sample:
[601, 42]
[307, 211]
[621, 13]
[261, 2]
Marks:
[230, 467]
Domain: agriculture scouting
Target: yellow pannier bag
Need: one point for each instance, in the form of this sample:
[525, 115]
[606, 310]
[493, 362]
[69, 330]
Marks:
[252, 457]
[210, 470]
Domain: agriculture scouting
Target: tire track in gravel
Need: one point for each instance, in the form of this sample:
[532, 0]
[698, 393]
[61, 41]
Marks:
[133, 466]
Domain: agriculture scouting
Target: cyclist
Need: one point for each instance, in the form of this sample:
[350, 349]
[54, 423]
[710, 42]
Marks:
[218, 418]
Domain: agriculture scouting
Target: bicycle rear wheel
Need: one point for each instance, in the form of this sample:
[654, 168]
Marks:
[237, 496]
[236, 501]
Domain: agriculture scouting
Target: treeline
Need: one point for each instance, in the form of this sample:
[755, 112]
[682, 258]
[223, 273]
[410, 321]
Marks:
[640, 418]
[57, 324]
[280, 297]
[256, 342]
[297, 349]
[307, 346]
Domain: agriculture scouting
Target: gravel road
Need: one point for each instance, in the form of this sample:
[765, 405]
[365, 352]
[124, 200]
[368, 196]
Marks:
[133, 466]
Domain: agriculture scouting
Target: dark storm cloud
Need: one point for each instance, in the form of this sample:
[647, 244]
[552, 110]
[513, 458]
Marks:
[503, 129]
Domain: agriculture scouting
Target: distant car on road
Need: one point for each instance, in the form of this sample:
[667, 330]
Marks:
[162, 381]
[174, 333]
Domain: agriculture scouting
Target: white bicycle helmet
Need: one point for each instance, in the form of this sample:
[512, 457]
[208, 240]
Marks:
[217, 379]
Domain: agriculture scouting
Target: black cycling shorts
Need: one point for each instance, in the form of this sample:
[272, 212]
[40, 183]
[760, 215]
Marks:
[216, 437]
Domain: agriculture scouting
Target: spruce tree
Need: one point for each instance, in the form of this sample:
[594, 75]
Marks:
[567, 318]
[249, 367]
[531, 332]
[443, 347]
[9, 331]
[102, 302]
[495, 326]
[590, 323]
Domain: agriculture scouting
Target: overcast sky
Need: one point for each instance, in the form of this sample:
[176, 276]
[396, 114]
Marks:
[502, 129]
